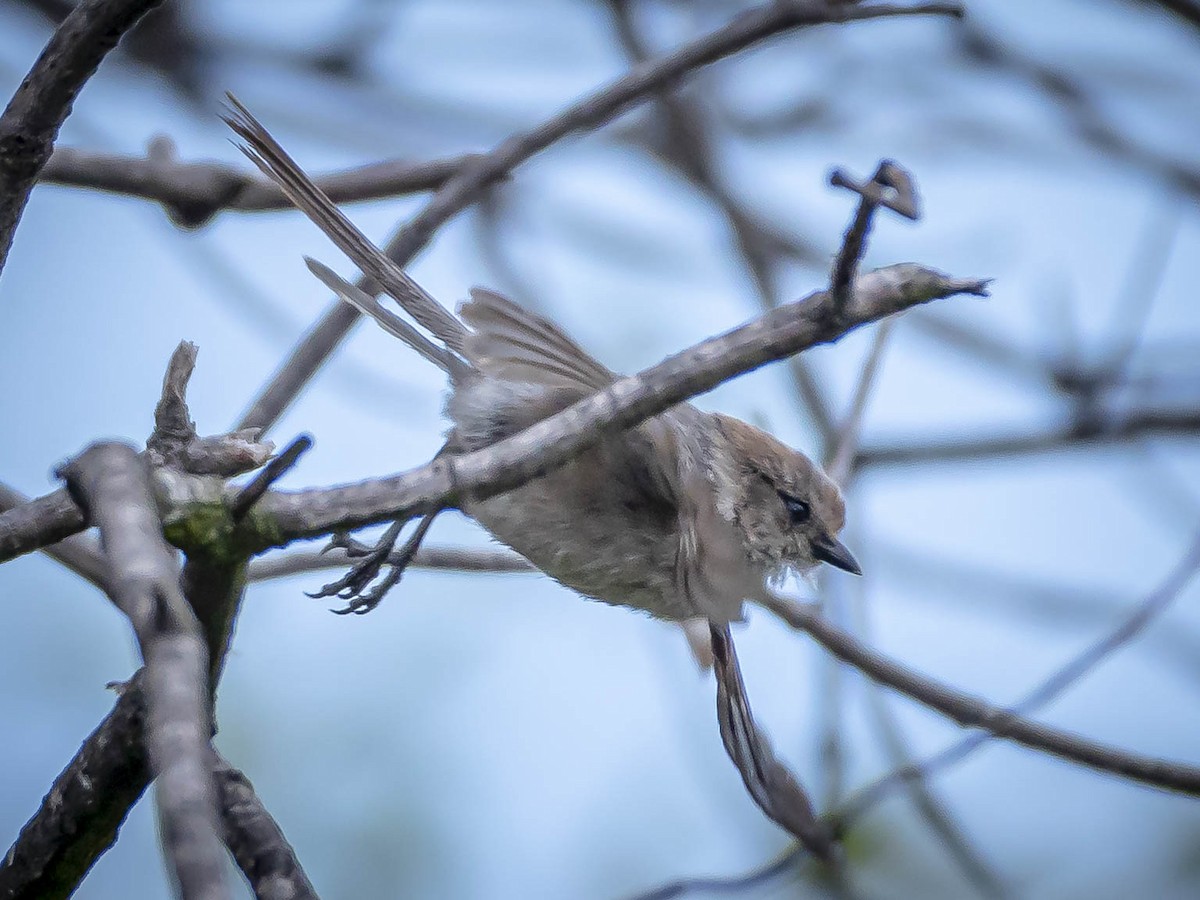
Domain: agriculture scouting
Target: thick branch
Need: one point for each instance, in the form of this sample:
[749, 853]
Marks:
[256, 840]
[79, 817]
[30, 123]
[591, 112]
[112, 482]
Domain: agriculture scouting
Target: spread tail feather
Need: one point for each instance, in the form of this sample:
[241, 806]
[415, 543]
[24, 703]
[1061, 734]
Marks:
[265, 152]
[386, 319]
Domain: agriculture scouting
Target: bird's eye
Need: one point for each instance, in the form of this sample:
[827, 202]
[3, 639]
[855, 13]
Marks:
[798, 510]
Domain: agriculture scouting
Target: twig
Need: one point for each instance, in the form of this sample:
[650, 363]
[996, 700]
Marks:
[931, 808]
[1048, 690]
[192, 194]
[1140, 287]
[830, 682]
[30, 122]
[175, 442]
[113, 484]
[974, 712]
[256, 840]
[721, 887]
[891, 186]
[594, 110]
[271, 472]
[688, 147]
[850, 430]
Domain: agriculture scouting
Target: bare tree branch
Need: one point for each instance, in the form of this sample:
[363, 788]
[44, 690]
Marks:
[1115, 429]
[688, 148]
[1058, 682]
[78, 553]
[455, 559]
[929, 806]
[256, 840]
[553, 441]
[30, 122]
[79, 818]
[192, 194]
[113, 484]
[891, 186]
[973, 712]
[589, 113]
[39, 523]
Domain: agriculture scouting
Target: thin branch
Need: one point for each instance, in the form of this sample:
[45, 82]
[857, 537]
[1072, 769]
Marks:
[721, 887]
[553, 441]
[192, 194]
[454, 559]
[829, 687]
[593, 111]
[1142, 284]
[850, 430]
[30, 123]
[1052, 687]
[270, 473]
[256, 840]
[688, 148]
[1115, 428]
[891, 186]
[931, 808]
[786, 330]
[1087, 117]
[113, 483]
[973, 712]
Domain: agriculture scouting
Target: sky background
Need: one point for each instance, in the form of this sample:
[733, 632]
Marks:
[497, 736]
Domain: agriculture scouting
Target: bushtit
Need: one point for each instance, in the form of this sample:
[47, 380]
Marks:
[685, 516]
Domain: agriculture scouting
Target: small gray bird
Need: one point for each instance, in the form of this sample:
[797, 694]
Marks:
[685, 516]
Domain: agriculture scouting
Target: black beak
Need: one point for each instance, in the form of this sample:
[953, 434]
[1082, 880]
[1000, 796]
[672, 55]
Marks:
[834, 552]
